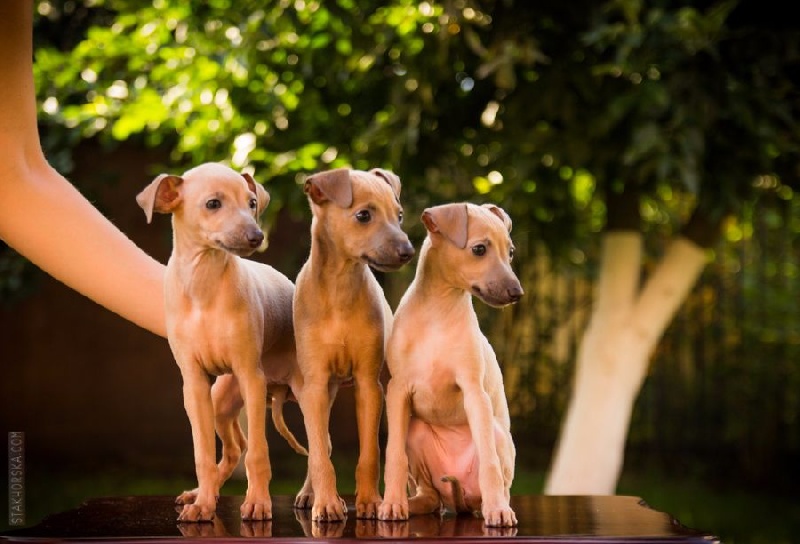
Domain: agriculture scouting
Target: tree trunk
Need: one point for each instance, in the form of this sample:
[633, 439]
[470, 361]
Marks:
[623, 331]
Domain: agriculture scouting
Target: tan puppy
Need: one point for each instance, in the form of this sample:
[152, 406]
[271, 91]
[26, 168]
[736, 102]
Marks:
[223, 315]
[449, 427]
[342, 320]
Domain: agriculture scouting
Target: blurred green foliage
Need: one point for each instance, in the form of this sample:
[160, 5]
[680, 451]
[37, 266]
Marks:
[539, 107]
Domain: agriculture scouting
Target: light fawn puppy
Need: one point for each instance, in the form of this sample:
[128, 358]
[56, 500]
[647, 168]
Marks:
[342, 321]
[449, 427]
[225, 315]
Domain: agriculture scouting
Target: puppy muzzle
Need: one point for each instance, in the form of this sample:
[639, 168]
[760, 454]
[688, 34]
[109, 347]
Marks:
[389, 259]
[499, 294]
[242, 243]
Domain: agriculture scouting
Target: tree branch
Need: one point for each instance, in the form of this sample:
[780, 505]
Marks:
[703, 227]
[622, 208]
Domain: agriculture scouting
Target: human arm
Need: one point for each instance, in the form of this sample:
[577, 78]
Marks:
[44, 218]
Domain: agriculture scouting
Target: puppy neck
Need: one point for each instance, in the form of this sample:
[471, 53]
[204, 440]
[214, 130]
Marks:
[328, 261]
[198, 267]
[432, 280]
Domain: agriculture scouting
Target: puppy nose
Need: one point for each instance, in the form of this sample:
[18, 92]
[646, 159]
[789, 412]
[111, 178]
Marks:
[254, 237]
[405, 252]
[515, 293]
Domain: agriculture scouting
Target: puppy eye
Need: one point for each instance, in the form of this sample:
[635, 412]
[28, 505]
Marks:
[213, 204]
[400, 217]
[511, 254]
[253, 203]
[363, 216]
[479, 250]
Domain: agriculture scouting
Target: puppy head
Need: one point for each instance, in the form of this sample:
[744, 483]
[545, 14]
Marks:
[476, 250]
[211, 206]
[359, 214]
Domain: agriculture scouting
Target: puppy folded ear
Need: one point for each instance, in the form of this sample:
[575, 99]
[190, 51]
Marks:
[262, 196]
[390, 178]
[449, 220]
[162, 195]
[501, 213]
[334, 186]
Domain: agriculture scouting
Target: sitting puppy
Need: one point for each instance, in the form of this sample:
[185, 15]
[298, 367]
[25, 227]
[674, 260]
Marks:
[223, 314]
[449, 426]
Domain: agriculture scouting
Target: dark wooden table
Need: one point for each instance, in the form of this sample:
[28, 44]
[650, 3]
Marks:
[562, 520]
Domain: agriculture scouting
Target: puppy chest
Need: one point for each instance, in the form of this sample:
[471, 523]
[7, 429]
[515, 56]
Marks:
[439, 407]
[439, 401]
[217, 345]
[345, 346]
[432, 373]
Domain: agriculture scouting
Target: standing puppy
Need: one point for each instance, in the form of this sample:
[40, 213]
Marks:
[342, 321]
[223, 314]
[449, 427]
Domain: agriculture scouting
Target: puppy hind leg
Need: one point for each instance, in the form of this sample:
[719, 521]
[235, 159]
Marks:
[424, 497]
[426, 500]
[228, 404]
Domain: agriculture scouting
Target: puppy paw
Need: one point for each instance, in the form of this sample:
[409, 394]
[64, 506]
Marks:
[194, 513]
[367, 508]
[333, 509]
[187, 497]
[305, 497]
[499, 517]
[256, 510]
[303, 500]
[393, 511]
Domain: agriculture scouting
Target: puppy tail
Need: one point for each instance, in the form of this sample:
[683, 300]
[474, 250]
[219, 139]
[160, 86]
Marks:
[458, 494]
[278, 395]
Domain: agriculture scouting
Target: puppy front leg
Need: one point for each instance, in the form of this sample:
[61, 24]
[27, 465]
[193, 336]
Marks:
[369, 405]
[257, 503]
[398, 412]
[305, 497]
[197, 402]
[315, 404]
[506, 450]
[495, 505]
[507, 453]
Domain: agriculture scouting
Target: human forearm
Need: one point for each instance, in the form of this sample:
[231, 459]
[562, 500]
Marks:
[48, 221]
[44, 217]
